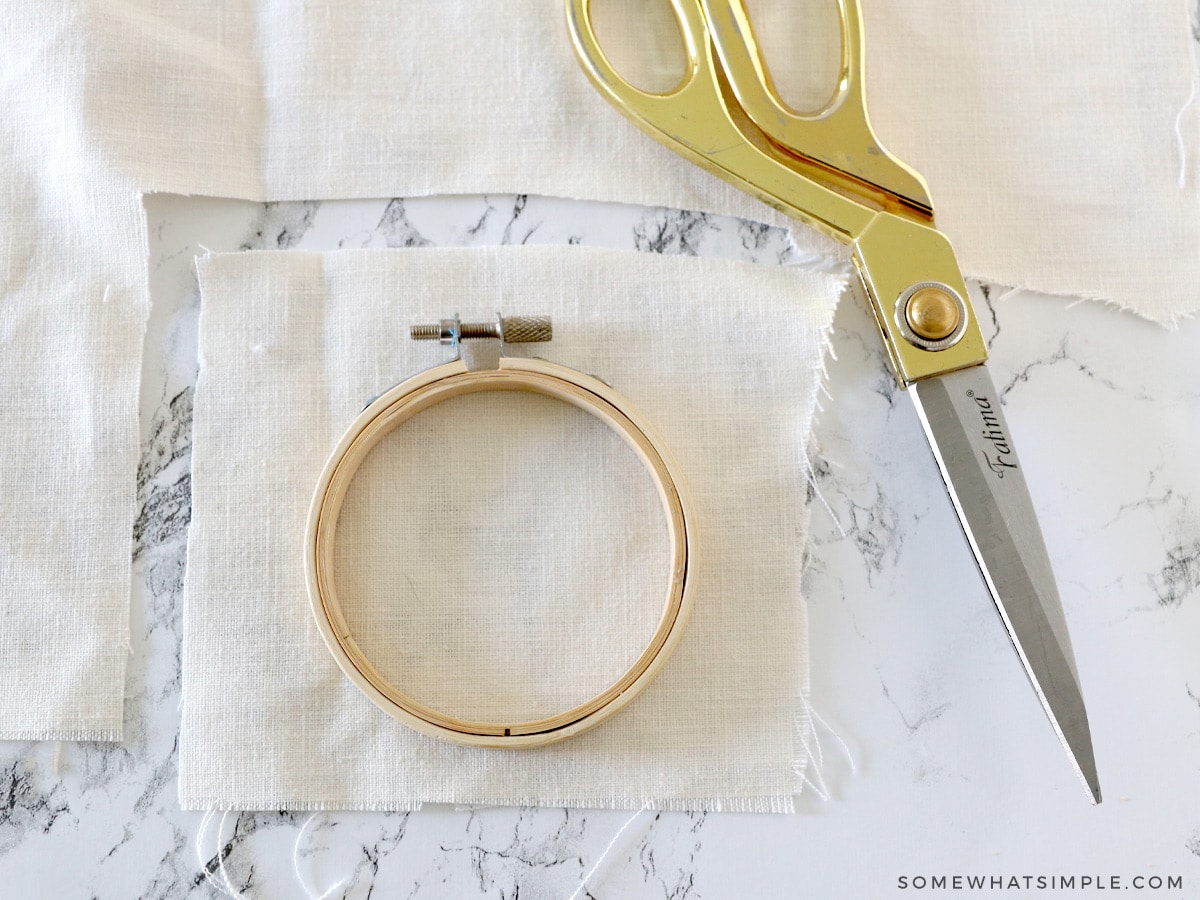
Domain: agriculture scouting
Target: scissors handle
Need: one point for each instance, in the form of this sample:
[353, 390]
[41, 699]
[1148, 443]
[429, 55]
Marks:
[694, 121]
[839, 135]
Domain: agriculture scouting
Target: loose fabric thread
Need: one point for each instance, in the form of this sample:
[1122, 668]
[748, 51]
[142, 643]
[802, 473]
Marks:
[1183, 150]
[310, 893]
[591, 873]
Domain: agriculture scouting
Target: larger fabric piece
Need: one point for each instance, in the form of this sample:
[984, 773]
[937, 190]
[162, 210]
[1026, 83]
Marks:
[1060, 148]
[501, 555]
[73, 307]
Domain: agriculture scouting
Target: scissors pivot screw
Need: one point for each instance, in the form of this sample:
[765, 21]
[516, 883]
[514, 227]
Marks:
[931, 315]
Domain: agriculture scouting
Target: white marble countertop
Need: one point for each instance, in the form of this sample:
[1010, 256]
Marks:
[937, 760]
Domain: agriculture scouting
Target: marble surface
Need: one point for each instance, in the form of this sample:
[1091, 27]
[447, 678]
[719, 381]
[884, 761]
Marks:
[936, 759]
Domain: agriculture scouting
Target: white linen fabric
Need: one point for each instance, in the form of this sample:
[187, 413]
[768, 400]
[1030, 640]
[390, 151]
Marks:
[1059, 146]
[73, 307]
[504, 554]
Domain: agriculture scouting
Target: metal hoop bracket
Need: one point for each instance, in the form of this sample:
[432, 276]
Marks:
[402, 403]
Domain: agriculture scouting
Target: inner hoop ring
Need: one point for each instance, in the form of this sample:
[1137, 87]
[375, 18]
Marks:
[402, 403]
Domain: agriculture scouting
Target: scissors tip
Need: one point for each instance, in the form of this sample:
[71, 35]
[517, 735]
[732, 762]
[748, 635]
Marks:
[1092, 783]
[1085, 766]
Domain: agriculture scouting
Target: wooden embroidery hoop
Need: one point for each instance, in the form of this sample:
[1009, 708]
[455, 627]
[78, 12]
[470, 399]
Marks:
[402, 403]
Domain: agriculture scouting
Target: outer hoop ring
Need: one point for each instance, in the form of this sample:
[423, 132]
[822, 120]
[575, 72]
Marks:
[405, 401]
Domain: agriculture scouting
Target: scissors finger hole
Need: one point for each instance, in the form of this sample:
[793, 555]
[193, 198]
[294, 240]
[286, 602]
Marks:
[643, 42]
[800, 45]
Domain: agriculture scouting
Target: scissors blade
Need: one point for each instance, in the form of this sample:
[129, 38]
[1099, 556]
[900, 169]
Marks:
[961, 415]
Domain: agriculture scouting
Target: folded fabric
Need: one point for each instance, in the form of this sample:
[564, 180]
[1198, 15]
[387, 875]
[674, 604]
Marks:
[73, 308]
[1060, 149]
[503, 554]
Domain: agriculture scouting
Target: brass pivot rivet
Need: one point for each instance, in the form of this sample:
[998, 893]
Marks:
[932, 313]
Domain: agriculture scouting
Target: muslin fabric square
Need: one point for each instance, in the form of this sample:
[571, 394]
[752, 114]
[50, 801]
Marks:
[1061, 147]
[73, 308]
[501, 555]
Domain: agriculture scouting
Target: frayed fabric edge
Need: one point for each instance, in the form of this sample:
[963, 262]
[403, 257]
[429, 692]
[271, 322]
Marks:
[810, 759]
[775, 805]
[109, 735]
[1171, 323]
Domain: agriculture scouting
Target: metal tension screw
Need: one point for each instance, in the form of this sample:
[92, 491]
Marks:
[509, 329]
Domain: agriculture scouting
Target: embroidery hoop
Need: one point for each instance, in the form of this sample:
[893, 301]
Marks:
[402, 403]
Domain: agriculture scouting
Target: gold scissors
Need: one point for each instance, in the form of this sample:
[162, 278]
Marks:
[828, 170]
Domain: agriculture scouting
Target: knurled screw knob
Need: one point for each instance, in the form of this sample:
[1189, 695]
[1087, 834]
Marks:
[510, 329]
